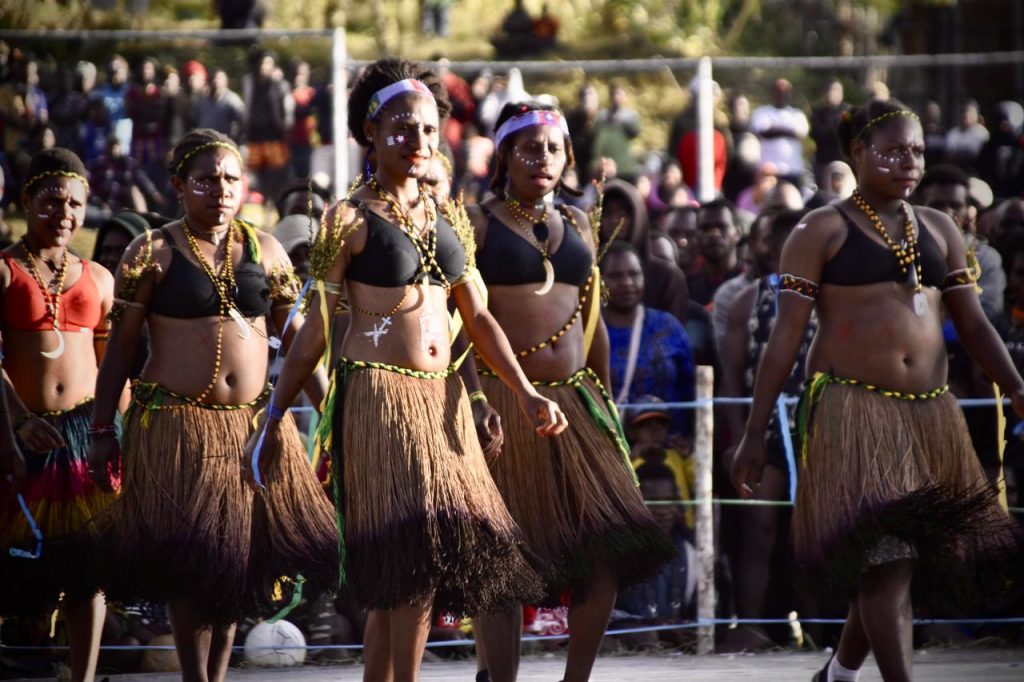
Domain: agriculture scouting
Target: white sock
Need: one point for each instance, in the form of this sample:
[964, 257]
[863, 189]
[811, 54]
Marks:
[837, 673]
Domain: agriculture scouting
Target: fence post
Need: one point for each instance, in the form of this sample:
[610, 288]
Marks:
[705, 511]
[705, 132]
[339, 100]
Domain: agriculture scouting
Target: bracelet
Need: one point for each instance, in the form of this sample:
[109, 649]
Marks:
[274, 412]
[477, 397]
[101, 431]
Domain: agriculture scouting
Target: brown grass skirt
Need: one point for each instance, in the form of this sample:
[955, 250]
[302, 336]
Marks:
[62, 499]
[188, 528]
[422, 518]
[574, 495]
[880, 469]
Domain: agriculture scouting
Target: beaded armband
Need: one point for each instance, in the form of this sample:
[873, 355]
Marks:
[959, 278]
[800, 286]
[329, 241]
[595, 212]
[284, 285]
[142, 266]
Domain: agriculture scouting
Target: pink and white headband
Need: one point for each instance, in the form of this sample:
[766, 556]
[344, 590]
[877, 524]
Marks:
[528, 119]
[386, 94]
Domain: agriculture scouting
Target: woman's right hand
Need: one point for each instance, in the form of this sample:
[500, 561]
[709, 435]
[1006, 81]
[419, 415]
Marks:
[748, 466]
[548, 419]
[104, 461]
[488, 429]
[38, 435]
[12, 461]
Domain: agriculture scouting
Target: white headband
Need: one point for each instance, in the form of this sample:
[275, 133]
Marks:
[527, 119]
[384, 95]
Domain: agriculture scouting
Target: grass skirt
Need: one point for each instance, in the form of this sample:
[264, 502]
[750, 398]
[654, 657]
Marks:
[574, 495]
[422, 518]
[188, 528]
[886, 473]
[63, 500]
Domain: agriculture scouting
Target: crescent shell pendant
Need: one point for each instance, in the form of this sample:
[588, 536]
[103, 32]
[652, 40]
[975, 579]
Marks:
[59, 350]
[243, 326]
[549, 277]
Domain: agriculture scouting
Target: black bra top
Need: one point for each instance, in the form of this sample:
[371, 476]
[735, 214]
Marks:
[186, 292]
[390, 259]
[507, 258]
[861, 260]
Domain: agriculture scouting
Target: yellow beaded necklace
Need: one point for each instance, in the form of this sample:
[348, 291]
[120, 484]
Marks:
[54, 291]
[907, 254]
[223, 283]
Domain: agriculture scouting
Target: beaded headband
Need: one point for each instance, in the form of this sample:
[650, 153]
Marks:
[56, 174]
[882, 117]
[386, 94]
[528, 119]
[203, 148]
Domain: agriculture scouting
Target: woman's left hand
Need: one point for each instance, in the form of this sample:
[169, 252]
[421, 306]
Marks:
[548, 419]
[250, 447]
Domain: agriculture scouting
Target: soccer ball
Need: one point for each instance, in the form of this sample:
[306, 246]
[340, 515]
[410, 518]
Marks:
[274, 645]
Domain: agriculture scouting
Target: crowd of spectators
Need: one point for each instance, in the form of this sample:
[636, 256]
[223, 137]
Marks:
[676, 270]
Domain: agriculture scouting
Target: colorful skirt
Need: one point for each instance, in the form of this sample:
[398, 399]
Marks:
[575, 495]
[63, 501]
[187, 527]
[885, 477]
[423, 521]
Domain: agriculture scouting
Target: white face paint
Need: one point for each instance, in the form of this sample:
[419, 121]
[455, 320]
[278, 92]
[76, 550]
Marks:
[432, 332]
[200, 188]
[801, 226]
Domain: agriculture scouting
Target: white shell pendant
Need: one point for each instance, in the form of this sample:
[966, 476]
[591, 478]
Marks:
[549, 277]
[243, 326]
[59, 350]
[920, 304]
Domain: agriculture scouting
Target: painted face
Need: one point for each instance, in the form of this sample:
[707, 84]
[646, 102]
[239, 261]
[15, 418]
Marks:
[536, 161]
[55, 210]
[892, 160]
[406, 136]
[212, 192]
[625, 280]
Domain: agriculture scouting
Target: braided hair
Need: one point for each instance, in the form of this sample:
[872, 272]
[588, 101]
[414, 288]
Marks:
[184, 154]
[54, 162]
[383, 73]
[503, 152]
[860, 123]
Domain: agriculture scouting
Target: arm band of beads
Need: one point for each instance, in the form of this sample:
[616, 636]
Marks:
[477, 397]
[959, 278]
[800, 286]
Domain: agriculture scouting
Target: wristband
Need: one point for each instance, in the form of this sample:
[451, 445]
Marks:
[477, 397]
[275, 413]
[101, 431]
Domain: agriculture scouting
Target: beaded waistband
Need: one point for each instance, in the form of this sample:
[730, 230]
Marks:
[404, 371]
[573, 379]
[897, 395]
[151, 395]
[56, 413]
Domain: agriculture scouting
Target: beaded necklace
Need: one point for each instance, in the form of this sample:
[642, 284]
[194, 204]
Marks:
[907, 254]
[537, 231]
[424, 241]
[52, 293]
[224, 284]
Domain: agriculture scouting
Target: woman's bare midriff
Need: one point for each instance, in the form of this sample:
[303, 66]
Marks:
[183, 351]
[528, 320]
[870, 333]
[50, 384]
[416, 336]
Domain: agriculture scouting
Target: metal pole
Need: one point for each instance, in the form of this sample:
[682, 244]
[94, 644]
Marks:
[339, 98]
[705, 132]
[705, 514]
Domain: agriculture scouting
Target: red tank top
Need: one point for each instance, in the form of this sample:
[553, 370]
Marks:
[25, 305]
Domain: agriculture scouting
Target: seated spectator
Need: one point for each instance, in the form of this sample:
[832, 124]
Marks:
[650, 352]
[647, 429]
[117, 181]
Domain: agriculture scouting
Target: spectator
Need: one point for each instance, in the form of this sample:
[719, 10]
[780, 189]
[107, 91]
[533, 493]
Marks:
[683, 139]
[545, 29]
[756, 246]
[23, 109]
[668, 192]
[178, 107]
[650, 350]
[504, 89]
[782, 128]
[117, 181]
[625, 216]
[751, 199]
[267, 125]
[114, 94]
[434, 17]
[746, 152]
[1001, 160]
[824, 121]
[615, 129]
[582, 120]
[96, 131]
[680, 225]
[964, 141]
[302, 137]
[221, 108]
[838, 184]
[69, 109]
[145, 105]
[719, 237]
[945, 188]
[241, 13]
[463, 108]
[934, 134]
[647, 430]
